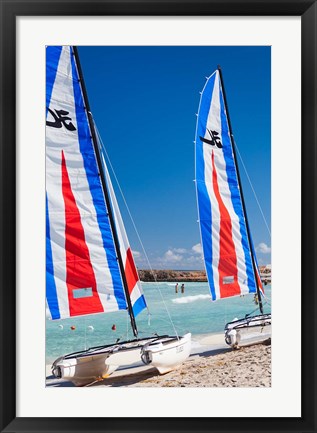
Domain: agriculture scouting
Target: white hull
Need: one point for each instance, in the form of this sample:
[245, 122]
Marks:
[251, 330]
[96, 364]
[168, 356]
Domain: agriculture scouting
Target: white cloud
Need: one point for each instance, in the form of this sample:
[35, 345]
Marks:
[180, 250]
[263, 248]
[180, 257]
[172, 257]
[197, 249]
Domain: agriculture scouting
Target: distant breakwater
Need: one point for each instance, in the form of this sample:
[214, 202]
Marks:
[182, 276]
[172, 276]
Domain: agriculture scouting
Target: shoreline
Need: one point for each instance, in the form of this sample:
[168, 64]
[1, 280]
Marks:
[211, 364]
[171, 276]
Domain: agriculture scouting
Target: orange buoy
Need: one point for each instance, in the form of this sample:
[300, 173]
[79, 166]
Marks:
[73, 328]
[113, 327]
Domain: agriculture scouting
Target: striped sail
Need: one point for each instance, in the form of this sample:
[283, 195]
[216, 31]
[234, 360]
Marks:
[226, 247]
[82, 272]
[133, 281]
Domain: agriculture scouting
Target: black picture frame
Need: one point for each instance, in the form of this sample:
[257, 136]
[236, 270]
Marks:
[9, 11]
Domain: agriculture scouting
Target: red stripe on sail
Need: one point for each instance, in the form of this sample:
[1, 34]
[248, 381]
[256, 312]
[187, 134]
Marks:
[260, 285]
[79, 271]
[227, 266]
[130, 271]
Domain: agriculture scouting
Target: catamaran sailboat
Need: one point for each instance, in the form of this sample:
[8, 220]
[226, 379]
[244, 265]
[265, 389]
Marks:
[229, 256]
[89, 262]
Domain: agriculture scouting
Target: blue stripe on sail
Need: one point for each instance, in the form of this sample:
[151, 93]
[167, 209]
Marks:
[204, 204]
[205, 218]
[51, 293]
[89, 158]
[235, 193]
[256, 262]
[139, 305]
[52, 58]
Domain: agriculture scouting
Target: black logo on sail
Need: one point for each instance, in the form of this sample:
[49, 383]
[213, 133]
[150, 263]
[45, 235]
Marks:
[215, 139]
[61, 119]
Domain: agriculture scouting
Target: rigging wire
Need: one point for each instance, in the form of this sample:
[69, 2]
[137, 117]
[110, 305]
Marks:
[256, 198]
[267, 301]
[127, 324]
[260, 208]
[136, 231]
[85, 325]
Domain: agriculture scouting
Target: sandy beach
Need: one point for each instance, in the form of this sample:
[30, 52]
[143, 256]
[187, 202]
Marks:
[211, 364]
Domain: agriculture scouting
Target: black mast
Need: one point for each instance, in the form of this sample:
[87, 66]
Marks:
[241, 192]
[106, 194]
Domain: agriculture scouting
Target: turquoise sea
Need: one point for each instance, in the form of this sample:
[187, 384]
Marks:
[192, 312]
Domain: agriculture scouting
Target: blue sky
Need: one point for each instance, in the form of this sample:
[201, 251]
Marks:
[144, 101]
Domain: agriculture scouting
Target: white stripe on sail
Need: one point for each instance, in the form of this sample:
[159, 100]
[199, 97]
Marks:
[227, 199]
[135, 294]
[215, 216]
[57, 237]
[214, 123]
[122, 235]
[94, 241]
[85, 205]
[57, 217]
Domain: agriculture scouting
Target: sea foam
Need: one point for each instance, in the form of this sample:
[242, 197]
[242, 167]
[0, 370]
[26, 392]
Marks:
[189, 299]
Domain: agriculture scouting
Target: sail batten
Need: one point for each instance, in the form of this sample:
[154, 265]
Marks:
[83, 274]
[226, 247]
